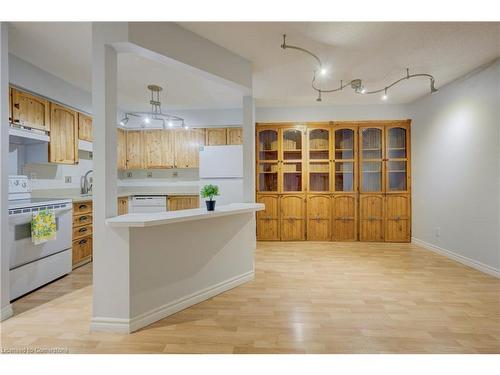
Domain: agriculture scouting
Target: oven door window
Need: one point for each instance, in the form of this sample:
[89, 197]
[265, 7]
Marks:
[22, 231]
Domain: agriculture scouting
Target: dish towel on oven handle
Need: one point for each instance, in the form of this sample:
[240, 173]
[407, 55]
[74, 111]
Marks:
[43, 226]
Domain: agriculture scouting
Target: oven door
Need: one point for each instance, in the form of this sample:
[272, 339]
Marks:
[22, 248]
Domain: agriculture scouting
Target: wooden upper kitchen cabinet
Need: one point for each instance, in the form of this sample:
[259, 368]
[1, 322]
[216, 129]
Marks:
[84, 127]
[158, 149]
[30, 110]
[63, 146]
[234, 136]
[135, 149]
[215, 136]
[187, 147]
[121, 152]
[183, 202]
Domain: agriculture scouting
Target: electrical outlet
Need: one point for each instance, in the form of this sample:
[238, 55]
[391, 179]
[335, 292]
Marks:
[175, 174]
[149, 175]
[129, 174]
[438, 232]
[67, 179]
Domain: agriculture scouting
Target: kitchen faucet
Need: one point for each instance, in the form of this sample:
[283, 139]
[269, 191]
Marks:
[85, 186]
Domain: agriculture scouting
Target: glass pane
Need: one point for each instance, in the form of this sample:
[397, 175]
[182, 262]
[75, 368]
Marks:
[268, 177]
[396, 143]
[372, 143]
[344, 176]
[319, 177]
[292, 177]
[344, 144]
[292, 144]
[318, 144]
[268, 145]
[372, 176]
[396, 173]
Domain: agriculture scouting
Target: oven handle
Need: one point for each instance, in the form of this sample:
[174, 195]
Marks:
[24, 218]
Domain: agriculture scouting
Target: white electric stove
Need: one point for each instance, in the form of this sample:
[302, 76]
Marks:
[32, 266]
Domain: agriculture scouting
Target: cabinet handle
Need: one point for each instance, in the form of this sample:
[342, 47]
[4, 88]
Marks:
[82, 206]
[17, 106]
[82, 242]
[82, 230]
[83, 218]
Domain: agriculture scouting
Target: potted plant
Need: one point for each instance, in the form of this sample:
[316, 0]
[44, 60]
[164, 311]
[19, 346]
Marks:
[210, 191]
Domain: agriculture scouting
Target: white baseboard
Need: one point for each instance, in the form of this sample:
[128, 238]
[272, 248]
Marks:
[145, 319]
[457, 257]
[6, 312]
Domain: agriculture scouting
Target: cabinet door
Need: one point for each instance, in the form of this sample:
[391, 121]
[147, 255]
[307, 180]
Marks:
[319, 218]
[371, 217]
[345, 159]
[215, 136]
[397, 158]
[371, 155]
[397, 218]
[187, 202]
[121, 151]
[268, 220]
[63, 146]
[158, 149]
[267, 160]
[292, 154]
[30, 110]
[344, 218]
[84, 127]
[187, 147]
[135, 149]
[234, 136]
[123, 206]
[319, 160]
[292, 217]
[82, 250]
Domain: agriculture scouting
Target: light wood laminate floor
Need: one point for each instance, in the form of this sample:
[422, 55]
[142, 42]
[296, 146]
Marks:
[306, 298]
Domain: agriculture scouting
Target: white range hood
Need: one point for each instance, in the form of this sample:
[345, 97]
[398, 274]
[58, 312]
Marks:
[24, 136]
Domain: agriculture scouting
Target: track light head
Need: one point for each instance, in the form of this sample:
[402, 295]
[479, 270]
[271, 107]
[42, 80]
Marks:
[124, 121]
[433, 88]
[318, 99]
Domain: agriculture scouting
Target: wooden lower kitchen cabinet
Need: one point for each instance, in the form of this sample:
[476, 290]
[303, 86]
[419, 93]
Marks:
[397, 218]
[319, 227]
[344, 215]
[182, 202]
[82, 233]
[268, 228]
[292, 217]
[371, 217]
[122, 205]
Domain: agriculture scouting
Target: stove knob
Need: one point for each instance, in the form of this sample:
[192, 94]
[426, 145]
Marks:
[16, 182]
[23, 184]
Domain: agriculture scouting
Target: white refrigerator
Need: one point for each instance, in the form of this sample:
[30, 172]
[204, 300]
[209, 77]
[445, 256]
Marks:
[223, 166]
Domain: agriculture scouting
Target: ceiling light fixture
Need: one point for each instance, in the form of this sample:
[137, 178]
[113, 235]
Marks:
[356, 84]
[139, 120]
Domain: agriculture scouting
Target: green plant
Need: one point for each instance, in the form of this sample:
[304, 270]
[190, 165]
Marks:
[209, 191]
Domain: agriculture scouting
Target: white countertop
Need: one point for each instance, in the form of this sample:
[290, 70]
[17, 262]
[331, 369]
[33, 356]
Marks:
[169, 217]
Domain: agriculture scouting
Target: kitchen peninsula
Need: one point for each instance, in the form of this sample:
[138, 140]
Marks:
[176, 259]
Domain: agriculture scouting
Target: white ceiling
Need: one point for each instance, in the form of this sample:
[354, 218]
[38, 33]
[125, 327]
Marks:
[376, 52]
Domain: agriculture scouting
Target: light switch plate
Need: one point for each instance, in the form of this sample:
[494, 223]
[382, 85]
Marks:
[149, 175]
[129, 174]
[67, 179]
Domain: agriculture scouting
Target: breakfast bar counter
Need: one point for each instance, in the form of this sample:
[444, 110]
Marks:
[172, 260]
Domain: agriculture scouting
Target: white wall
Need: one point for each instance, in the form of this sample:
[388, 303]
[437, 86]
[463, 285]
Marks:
[456, 168]
[332, 113]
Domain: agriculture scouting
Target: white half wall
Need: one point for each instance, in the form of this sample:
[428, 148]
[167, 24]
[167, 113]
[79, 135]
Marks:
[456, 170]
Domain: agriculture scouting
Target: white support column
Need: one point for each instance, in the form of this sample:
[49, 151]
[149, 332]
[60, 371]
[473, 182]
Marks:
[248, 149]
[6, 308]
[111, 305]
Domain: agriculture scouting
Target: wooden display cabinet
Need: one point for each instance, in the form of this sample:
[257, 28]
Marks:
[268, 221]
[292, 217]
[345, 217]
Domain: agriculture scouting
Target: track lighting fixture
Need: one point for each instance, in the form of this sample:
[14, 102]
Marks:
[356, 84]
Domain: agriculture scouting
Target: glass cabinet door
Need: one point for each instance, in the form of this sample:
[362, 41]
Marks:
[344, 160]
[397, 159]
[319, 160]
[291, 163]
[267, 167]
[371, 159]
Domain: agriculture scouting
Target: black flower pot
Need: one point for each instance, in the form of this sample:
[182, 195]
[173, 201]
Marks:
[210, 205]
